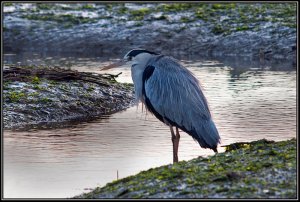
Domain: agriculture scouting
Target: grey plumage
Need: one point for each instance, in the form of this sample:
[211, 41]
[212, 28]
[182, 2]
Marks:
[176, 96]
[173, 94]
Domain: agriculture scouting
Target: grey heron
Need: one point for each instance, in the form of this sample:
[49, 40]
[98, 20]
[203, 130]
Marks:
[173, 95]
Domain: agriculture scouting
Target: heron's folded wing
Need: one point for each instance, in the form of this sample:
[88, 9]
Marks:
[176, 96]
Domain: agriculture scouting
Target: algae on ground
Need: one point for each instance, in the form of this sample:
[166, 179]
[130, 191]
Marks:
[194, 28]
[37, 100]
[227, 16]
[259, 169]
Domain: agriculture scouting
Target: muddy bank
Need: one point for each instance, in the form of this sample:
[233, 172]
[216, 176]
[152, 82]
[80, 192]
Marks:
[41, 97]
[257, 30]
[259, 169]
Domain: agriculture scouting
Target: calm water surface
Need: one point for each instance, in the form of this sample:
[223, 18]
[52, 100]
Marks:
[248, 103]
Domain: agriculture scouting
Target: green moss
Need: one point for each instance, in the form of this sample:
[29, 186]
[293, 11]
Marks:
[91, 88]
[65, 19]
[6, 85]
[36, 80]
[137, 18]
[45, 6]
[142, 11]
[236, 146]
[34, 94]
[290, 24]
[185, 19]
[201, 14]
[218, 29]
[38, 87]
[16, 96]
[237, 172]
[223, 6]
[174, 7]
[122, 10]
[8, 4]
[218, 6]
[127, 85]
[88, 7]
[109, 6]
[53, 82]
[45, 100]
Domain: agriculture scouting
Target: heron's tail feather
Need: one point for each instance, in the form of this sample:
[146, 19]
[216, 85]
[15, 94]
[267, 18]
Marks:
[206, 135]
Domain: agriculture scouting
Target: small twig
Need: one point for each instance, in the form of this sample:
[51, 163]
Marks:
[112, 76]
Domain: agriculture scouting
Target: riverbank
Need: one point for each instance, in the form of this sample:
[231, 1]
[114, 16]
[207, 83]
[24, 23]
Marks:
[256, 30]
[43, 97]
[259, 169]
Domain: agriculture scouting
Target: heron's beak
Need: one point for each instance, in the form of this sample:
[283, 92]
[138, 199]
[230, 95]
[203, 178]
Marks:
[117, 64]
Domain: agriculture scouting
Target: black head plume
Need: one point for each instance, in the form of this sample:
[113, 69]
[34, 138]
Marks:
[136, 52]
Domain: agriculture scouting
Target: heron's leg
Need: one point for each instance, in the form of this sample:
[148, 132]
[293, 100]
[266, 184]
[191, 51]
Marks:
[175, 156]
[177, 138]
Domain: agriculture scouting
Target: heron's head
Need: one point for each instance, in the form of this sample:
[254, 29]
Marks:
[135, 56]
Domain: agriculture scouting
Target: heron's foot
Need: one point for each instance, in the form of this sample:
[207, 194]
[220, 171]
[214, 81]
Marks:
[175, 159]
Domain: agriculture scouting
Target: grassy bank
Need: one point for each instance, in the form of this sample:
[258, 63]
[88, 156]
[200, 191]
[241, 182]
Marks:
[45, 97]
[260, 169]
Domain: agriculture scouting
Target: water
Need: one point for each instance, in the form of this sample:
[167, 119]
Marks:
[248, 103]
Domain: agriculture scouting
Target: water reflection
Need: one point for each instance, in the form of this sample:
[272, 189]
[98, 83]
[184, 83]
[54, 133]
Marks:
[62, 162]
[247, 104]
[66, 59]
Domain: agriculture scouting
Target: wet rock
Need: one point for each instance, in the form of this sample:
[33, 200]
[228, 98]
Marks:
[191, 28]
[47, 102]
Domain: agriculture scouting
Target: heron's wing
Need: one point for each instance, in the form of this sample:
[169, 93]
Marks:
[174, 95]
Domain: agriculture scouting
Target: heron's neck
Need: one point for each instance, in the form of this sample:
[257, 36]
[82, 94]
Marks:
[137, 69]
[137, 77]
